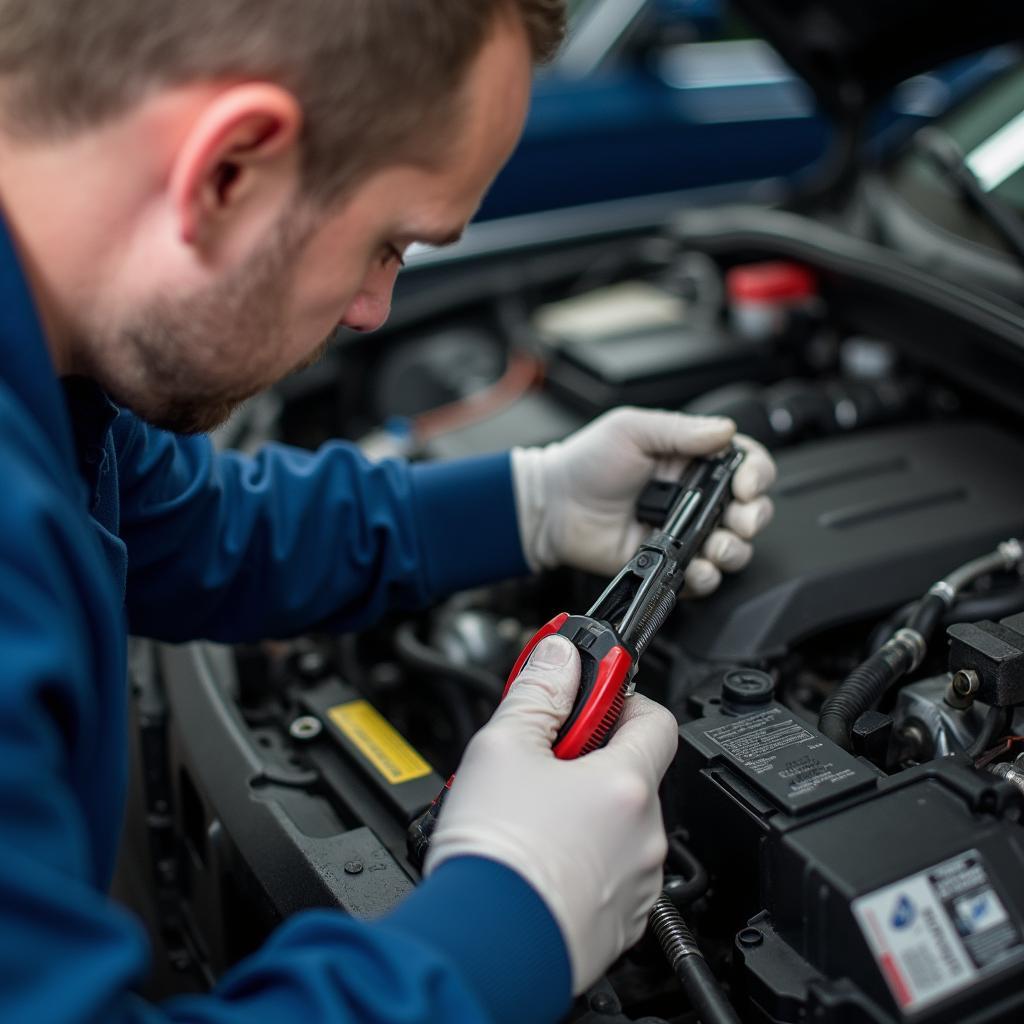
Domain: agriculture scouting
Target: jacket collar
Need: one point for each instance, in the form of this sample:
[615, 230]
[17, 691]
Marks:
[25, 364]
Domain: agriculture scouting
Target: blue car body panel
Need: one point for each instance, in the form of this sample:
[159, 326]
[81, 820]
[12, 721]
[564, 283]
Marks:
[692, 116]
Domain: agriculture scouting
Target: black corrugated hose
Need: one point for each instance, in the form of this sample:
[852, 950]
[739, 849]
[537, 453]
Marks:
[688, 963]
[867, 684]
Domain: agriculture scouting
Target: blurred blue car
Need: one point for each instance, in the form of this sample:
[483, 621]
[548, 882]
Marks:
[661, 96]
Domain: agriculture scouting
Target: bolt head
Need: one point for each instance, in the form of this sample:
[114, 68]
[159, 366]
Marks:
[966, 682]
[305, 728]
[604, 1002]
[311, 664]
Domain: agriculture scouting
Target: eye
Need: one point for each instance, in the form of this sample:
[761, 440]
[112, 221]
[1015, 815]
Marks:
[392, 254]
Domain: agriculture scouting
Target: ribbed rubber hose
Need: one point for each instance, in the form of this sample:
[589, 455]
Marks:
[868, 683]
[688, 963]
[862, 689]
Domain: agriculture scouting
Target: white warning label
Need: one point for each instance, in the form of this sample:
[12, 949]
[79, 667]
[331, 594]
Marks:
[786, 758]
[932, 934]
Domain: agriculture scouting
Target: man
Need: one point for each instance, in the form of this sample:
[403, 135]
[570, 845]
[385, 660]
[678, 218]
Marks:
[196, 193]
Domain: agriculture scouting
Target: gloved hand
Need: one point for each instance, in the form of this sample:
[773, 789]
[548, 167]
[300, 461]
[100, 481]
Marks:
[576, 498]
[586, 834]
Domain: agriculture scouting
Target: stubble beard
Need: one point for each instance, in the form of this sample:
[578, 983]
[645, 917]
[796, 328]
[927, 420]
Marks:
[186, 364]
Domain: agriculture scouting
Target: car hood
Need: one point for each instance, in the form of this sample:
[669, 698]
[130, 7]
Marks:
[853, 52]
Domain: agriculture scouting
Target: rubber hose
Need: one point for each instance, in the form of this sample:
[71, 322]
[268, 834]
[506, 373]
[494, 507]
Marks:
[704, 993]
[997, 721]
[694, 882]
[927, 616]
[968, 608]
[415, 654]
[861, 690]
[688, 964]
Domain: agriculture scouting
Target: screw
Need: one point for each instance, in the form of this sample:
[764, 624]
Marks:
[750, 937]
[311, 664]
[604, 1002]
[353, 867]
[966, 682]
[305, 728]
[916, 740]
[642, 562]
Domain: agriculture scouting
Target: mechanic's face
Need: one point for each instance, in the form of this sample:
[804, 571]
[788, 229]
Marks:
[186, 363]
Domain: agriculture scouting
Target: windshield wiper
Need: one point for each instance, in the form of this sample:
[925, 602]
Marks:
[945, 155]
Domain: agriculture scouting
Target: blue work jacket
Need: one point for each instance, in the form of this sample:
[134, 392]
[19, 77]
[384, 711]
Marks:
[108, 525]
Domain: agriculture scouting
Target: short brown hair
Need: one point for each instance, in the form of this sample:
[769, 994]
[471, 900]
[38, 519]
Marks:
[372, 76]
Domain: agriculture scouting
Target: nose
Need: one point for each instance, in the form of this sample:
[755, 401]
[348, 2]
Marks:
[366, 313]
[372, 305]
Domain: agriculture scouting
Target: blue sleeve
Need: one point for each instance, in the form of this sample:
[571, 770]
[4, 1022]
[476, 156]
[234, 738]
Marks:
[236, 548]
[473, 944]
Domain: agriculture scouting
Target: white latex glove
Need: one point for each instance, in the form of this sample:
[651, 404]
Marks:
[586, 834]
[575, 499]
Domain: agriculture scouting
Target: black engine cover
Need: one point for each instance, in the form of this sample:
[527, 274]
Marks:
[863, 523]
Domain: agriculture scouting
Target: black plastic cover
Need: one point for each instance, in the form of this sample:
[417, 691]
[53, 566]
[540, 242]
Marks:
[663, 366]
[796, 869]
[995, 650]
[853, 53]
[863, 524]
[779, 754]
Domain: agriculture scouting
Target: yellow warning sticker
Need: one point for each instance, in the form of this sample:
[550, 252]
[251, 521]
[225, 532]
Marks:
[379, 742]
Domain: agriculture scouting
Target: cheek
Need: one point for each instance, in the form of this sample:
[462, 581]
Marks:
[316, 307]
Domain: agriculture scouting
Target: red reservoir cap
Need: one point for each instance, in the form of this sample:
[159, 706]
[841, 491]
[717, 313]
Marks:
[774, 281]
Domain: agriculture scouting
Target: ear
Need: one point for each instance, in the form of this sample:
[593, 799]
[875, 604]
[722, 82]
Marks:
[243, 146]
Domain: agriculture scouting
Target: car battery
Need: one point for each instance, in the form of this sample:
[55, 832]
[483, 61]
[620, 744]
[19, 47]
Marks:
[856, 897]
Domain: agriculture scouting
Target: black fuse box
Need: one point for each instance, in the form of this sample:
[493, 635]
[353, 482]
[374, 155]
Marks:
[662, 366]
[855, 897]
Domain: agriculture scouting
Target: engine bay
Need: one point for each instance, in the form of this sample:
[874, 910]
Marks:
[877, 883]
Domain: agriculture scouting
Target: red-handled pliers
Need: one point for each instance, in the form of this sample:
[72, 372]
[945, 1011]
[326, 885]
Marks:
[613, 635]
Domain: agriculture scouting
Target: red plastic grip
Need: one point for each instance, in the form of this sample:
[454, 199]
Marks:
[602, 708]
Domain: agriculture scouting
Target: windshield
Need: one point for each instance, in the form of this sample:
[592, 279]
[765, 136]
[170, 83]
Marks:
[988, 128]
[998, 160]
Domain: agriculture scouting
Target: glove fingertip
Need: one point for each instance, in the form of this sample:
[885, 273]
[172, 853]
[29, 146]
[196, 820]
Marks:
[728, 551]
[544, 691]
[552, 653]
[702, 577]
[756, 475]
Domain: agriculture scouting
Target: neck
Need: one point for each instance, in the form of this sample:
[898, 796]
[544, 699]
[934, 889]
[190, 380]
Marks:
[19, 217]
[71, 203]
